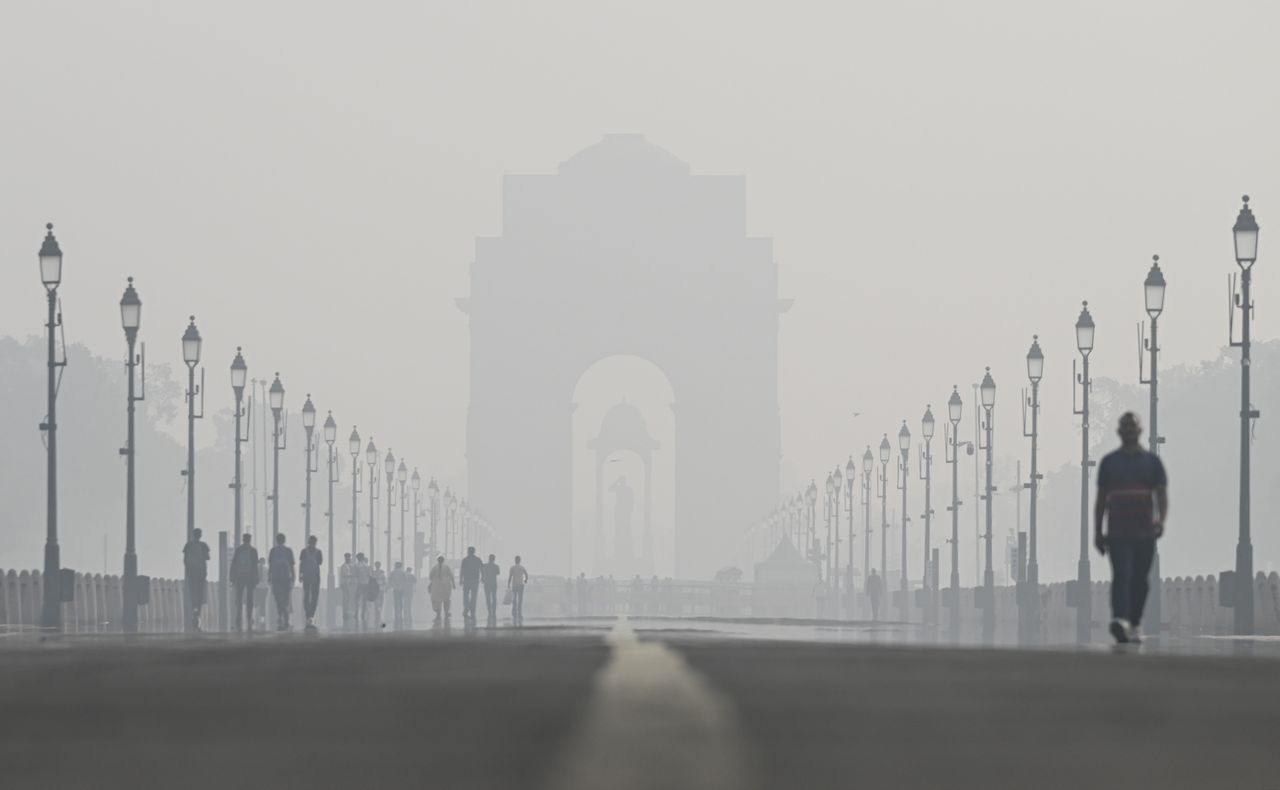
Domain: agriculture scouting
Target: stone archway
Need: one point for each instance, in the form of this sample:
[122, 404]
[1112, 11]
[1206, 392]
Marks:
[623, 251]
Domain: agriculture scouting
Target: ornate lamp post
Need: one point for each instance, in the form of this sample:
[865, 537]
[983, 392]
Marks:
[955, 410]
[371, 457]
[826, 518]
[390, 467]
[1029, 599]
[1083, 599]
[433, 498]
[191, 343]
[330, 436]
[402, 475]
[131, 319]
[308, 427]
[850, 475]
[1153, 297]
[868, 465]
[1245, 232]
[988, 391]
[884, 516]
[353, 446]
[926, 474]
[276, 396]
[239, 376]
[51, 276]
[904, 473]
[811, 503]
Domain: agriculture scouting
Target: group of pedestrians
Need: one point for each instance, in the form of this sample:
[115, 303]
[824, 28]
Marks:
[364, 594]
[476, 573]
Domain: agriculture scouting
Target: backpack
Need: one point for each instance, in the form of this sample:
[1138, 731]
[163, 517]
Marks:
[371, 592]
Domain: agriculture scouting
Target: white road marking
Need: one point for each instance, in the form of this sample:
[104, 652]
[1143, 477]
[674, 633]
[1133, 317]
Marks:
[653, 723]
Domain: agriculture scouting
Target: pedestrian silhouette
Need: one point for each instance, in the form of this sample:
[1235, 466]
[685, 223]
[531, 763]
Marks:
[309, 562]
[517, 578]
[399, 583]
[470, 572]
[244, 578]
[440, 587]
[281, 576]
[195, 559]
[489, 574]
[348, 587]
[1134, 499]
[875, 591]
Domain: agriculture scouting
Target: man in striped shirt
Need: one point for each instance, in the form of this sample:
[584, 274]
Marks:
[1133, 496]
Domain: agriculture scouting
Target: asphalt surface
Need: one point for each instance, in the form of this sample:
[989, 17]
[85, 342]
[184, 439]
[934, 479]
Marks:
[599, 704]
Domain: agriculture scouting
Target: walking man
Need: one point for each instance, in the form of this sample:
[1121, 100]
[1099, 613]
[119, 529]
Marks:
[399, 584]
[244, 577]
[347, 584]
[309, 562]
[470, 572]
[489, 574]
[1133, 495]
[281, 576]
[195, 558]
[875, 591]
[380, 598]
[517, 578]
[440, 586]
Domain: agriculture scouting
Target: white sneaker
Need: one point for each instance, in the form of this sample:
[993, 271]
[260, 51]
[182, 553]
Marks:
[1120, 629]
[1135, 634]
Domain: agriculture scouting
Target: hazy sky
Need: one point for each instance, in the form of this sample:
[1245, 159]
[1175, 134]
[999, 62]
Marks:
[941, 180]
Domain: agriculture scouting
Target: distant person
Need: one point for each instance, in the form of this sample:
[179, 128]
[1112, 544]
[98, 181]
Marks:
[411, 586]
[1133, 494]
[470, 573]
[398, 582]
[489, 574]
[244, 579]
[195, 559]
[347, 585]
[364, 574]
[309, 562]
[380, 600]
[440, 587]
[584, 593]
[875, 591]
[281, 576]
[517, 578]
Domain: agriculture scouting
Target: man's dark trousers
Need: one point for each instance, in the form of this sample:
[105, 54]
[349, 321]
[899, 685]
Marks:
[1130, 566]
[310, 595]
[491, 599]
[469, 590]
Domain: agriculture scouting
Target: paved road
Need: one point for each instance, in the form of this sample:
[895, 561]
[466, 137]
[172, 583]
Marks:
[640, 705]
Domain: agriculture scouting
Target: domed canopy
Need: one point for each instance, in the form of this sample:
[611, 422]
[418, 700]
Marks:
[623, 428]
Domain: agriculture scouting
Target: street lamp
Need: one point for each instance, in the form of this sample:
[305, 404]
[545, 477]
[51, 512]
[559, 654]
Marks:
[883, 493]
[390, 467]
[868, 464]
[433, 499]
[239, 376]
[1245, 232]
[811, 501]
[988, 391]
[130, 319]
[353, 447]
[904, 473]
[826, 519]
[833, 547]
[51, 276]
[955, 410]
[1082, 599]
[309, 428]
[451, 525]
[330, 436]
[926, 474]
[1029, 597]
[191, 343]
[416, 482]
[403, 475]
[276, 400]
[371, 457]
[850, 475]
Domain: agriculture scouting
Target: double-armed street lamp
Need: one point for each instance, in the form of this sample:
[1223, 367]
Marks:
[353, 446]
[926, 474]
[1083, 599]
[1029, 596]
[191, 344]
[51, 276]
[988, 392]
[904, 473]
[330, 436]
[1245, 233]
[131, 319]
[1153, 300]
[309, 428]
[402, 476]
[276, 400]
